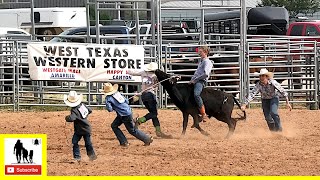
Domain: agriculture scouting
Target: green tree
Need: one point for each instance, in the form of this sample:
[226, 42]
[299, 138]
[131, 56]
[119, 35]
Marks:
[104, 17]
[294, 7]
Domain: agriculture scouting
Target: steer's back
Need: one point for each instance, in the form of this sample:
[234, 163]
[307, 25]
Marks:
[217, 103]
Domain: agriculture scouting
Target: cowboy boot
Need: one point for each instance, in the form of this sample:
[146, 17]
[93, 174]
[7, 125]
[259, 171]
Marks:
[203, 114]
[163, 135]
[137, 121]
[159, 133]
[272, 127]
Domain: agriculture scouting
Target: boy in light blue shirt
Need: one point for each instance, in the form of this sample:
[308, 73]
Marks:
[200, 78]
[115, 101]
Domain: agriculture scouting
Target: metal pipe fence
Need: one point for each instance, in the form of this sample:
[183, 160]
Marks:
[236, 57]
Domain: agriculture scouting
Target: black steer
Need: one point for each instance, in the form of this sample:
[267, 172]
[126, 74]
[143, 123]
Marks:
[217, 103]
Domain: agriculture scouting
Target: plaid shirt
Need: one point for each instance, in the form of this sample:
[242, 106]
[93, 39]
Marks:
[149, 79]
[268, 91]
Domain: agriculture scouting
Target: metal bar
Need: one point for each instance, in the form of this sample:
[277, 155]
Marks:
[124, 9]
[97, 13]
[199, 8]
[33, 31]
[102, 1]
[282, 53]
[202, 39]
[88, 19]
[316, 74]
[136, 6]
[117, 4]
[153, 18]
[89, 93]
[159, 45]
[242, 50]
[166, 71]
[15, 73]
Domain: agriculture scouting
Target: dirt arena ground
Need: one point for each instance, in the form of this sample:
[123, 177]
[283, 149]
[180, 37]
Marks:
[253, 150]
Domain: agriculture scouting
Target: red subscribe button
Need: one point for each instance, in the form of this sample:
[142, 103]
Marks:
[22, 169]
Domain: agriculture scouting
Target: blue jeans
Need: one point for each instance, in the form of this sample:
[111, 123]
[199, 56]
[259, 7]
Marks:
[129, 124]
[270, 111]
[87, 140]
[197, 92]
[150, 102]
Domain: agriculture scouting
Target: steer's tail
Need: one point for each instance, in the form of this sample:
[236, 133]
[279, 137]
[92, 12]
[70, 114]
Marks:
[244, 117]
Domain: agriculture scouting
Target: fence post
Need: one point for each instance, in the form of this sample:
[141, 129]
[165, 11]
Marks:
[244, 74]
[89, 93]
[315, 105]
[166, 71]
[15, 76]
[243, 42]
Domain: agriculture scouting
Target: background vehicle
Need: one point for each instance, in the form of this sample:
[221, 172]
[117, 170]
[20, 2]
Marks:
[145, 32]
[306, 28]
[80, 35]
[8, 30]
[261, 21]
[170, 28]
[193, 24]
[48, 21]
[14, 33]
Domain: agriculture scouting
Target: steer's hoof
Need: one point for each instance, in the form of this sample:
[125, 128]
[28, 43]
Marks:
[228, 136]
[205, 133]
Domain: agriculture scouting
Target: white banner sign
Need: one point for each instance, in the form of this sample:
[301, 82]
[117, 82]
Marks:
[84, 62]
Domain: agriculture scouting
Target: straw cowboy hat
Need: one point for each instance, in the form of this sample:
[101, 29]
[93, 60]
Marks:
[108, 89]
[264, 71]
[151, 67]
[72, 99]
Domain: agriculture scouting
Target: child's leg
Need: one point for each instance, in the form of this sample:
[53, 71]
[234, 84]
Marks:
[89, 147]
[115, 127]
[128, 122]
[76, 150]
[148, 100]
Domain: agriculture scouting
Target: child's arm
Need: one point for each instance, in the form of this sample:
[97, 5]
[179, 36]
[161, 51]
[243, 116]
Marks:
[72, 117]
[108, 105]
[89, 109]
[135, 72]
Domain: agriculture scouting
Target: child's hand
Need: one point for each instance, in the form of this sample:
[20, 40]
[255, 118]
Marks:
[289, 106]
[243, 107]
[137, 94]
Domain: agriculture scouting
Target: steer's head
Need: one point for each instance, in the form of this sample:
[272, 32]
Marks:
[161, 75]
[165, 78]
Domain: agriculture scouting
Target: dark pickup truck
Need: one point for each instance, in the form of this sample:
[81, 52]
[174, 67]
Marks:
[80, 35]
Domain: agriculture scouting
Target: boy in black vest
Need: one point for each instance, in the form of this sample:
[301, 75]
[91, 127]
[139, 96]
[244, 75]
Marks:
[82, 127]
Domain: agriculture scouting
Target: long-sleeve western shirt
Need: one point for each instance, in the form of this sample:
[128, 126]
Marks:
[204, 68]
[122, 108]
[268, 91]
[149, 79]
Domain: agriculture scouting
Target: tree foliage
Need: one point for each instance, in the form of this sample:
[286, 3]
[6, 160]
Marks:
[104, 17]
[294, 7]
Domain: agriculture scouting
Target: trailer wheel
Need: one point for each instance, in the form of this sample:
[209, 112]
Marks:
[47, 32]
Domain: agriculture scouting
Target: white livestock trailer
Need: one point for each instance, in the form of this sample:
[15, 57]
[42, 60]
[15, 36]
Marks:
[48, 21]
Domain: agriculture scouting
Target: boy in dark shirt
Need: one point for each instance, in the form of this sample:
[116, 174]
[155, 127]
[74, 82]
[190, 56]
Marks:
[82, 127]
